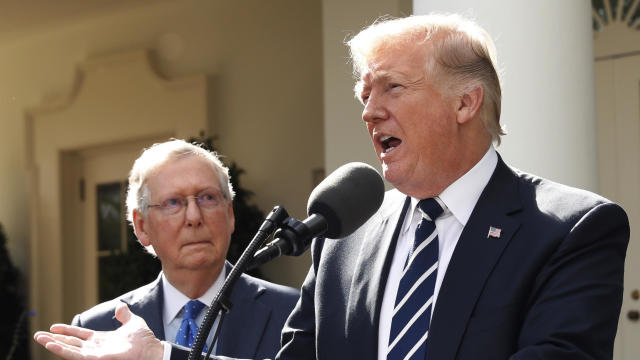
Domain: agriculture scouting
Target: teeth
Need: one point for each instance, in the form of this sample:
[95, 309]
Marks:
[389, 149]
[385, 138]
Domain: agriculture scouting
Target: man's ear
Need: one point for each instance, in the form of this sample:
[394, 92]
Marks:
[231, 217]
[140, 228]
[469, 104]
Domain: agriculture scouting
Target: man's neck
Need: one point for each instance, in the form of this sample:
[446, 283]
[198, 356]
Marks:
[192, 283]
[435, 185]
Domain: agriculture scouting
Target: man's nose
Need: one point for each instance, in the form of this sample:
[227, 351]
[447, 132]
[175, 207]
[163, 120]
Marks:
[374, 110]
[193, 213]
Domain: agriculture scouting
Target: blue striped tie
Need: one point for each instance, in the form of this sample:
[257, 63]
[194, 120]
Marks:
[412, 310]
[189, 329]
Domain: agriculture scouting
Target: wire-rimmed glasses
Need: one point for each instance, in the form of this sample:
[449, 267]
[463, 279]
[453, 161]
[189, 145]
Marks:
[206, 200]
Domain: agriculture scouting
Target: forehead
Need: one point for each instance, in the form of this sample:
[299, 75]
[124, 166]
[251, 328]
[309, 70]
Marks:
[184, 172]
[401, 61]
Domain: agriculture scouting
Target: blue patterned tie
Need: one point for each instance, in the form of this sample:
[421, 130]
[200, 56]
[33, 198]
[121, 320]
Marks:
[412, 309]
[189, 329]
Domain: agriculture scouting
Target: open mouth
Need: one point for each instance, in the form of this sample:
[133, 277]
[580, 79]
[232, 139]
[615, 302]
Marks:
[389, 143]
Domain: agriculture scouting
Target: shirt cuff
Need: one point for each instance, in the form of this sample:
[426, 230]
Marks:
[167, 350]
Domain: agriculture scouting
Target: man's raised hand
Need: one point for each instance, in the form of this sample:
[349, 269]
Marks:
[133, 340]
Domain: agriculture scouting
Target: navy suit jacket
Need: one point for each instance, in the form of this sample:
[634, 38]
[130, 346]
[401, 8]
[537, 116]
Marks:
[250, 330]
[549, 287]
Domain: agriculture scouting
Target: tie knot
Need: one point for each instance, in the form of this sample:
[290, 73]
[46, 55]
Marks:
[192, 309]
[431, 207]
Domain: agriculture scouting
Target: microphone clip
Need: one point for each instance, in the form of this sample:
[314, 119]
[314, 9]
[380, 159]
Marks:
[297, 235]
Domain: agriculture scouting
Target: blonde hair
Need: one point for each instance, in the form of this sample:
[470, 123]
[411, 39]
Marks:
[159, 154]
[463, 56]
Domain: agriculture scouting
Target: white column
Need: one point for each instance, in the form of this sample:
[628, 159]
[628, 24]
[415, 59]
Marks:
[545, 49]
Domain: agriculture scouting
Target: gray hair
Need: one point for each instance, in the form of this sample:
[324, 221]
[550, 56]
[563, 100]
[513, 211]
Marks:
[138, 194]
[464, 56]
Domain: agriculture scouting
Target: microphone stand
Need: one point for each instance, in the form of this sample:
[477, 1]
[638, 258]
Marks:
[276, 217]
[293, 238]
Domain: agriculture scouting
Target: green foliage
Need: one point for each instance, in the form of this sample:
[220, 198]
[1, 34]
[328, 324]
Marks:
[123, 272]
[248, 216]
[13, 322]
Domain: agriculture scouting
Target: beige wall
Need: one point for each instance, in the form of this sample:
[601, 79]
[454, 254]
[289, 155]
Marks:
[264, 62]
[346, 137]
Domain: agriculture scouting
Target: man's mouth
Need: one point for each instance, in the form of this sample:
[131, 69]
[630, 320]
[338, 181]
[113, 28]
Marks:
[389, 143]
[196, 243]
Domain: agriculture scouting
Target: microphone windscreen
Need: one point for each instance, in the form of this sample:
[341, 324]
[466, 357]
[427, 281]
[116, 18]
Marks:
[347, 198]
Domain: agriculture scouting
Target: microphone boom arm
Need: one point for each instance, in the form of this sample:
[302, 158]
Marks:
[293, 239]
[274, 220]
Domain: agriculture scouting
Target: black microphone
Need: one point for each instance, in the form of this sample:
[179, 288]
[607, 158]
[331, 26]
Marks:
[339, 205]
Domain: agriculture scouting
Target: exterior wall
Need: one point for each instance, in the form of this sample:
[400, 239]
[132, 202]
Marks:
[346, 137]
[264, 65]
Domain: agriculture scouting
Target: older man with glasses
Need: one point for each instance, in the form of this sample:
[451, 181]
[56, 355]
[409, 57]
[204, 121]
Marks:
[179, 202]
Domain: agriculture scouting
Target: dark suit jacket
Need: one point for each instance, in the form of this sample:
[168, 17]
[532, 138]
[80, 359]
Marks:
[250, 330]
[550, 287]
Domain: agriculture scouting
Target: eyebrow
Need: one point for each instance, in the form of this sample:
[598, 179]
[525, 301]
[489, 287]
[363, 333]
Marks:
[387, 75]
[180, 193]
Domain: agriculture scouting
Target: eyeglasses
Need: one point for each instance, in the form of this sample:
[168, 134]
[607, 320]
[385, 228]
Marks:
[206, 200]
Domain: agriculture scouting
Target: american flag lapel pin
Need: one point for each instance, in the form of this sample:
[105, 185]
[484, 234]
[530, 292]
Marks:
[494, 232]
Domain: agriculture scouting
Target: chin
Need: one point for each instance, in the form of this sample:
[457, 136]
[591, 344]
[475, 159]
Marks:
[200, 261]
[401, 184]
[200, 266]
[393, 176]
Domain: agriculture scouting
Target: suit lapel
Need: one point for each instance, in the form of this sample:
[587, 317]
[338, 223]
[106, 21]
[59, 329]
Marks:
[370, 275]
[472, 262]
[247, 320]
[147, 302]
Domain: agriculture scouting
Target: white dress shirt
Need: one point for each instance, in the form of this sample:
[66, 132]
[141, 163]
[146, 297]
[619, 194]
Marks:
[173, 309]
[460, 198]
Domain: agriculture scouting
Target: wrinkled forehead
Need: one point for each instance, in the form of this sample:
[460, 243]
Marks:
[371, 43]
[165, 170]
[390, 61]
[388, 49]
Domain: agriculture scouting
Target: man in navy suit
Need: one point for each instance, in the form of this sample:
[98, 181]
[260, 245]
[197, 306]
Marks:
[179, 202]
[506, 265]
[526, 268]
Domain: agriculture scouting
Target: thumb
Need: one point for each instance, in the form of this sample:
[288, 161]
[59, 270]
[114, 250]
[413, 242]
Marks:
[123, 314]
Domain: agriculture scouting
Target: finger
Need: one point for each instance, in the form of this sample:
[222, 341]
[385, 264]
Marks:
[63, 329]
[123, 314]
[64, 351]
[40, 333]
[42, 337]
[69, 340]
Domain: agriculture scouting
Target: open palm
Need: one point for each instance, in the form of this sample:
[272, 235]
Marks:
[133, 340]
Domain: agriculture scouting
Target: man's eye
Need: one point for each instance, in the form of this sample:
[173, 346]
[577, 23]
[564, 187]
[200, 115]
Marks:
[172, 202]
[393, 86]
[208, 199]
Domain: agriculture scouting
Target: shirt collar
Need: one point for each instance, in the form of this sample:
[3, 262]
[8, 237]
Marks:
[462, 195]
[174, 300]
